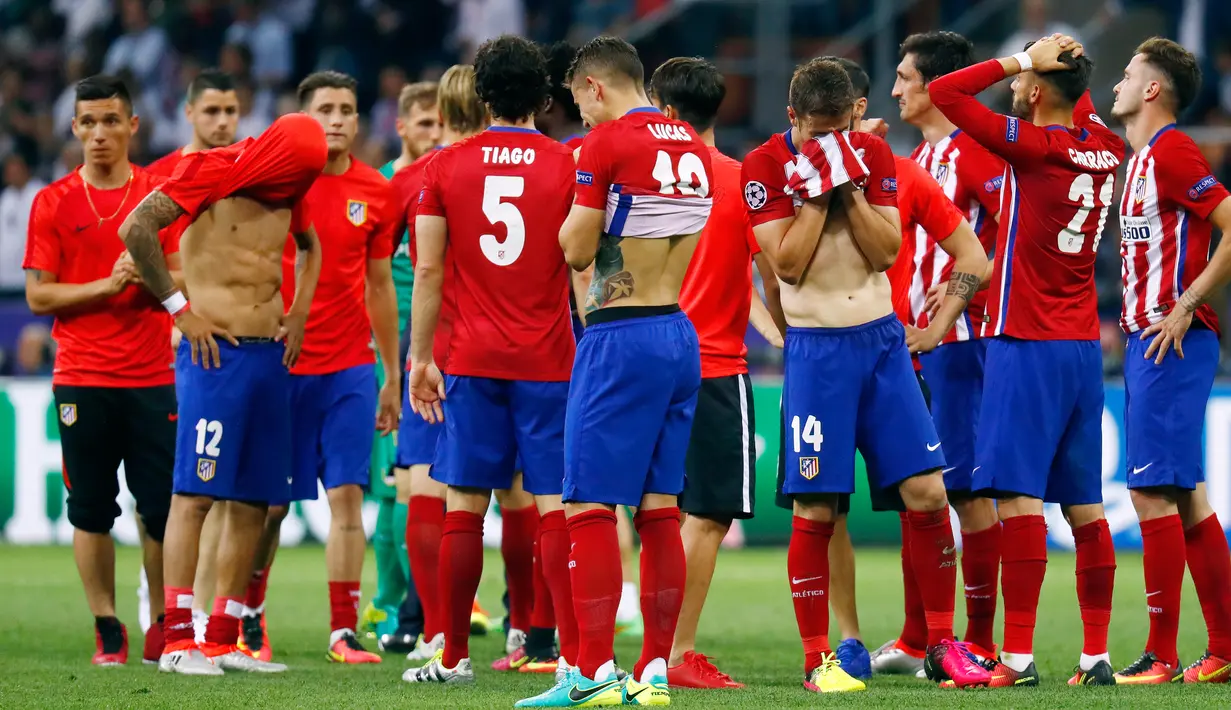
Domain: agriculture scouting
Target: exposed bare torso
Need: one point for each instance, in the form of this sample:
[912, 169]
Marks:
[839, 288]
[232, 260]
[639, 272]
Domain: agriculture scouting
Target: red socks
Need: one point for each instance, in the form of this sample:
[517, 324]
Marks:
[1209, 563]
[807, 566]
[1023, 564]
[425, 518]
[1096, 576]
[255, 599]
[343, 605]
[1162, 546]
[521, 528]
[980, 570]
[594, 563]
[461, 566]
[177, 621]
[914, 634]
[662, 582]
[544, 614]
[223, 628]
[554, 544]
[934, 557]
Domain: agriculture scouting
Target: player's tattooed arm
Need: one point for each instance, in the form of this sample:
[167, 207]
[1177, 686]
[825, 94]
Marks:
[963, 285]
[140, 234]
[611, 280]
[969, 260]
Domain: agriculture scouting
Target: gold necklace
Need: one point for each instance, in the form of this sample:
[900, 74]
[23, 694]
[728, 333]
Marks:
[128, 187]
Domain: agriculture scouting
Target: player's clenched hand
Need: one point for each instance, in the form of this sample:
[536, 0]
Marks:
[390, 409]
[427, 391]
[922, 341]
[123, 272]
[200, 336]
[1168, 333]
[291, 332]
[1045, 54]
[875, 126]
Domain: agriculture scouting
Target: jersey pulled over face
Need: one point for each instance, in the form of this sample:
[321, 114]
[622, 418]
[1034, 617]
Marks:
[651, 175]
[505, 269]
[1164, 228]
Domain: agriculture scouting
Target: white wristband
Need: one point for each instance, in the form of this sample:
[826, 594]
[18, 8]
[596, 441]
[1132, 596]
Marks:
[1024, 60]
[175, 303]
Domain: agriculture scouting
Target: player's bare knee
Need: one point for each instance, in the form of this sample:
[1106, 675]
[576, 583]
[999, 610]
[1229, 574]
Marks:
[715, 526]
[246, 515]
[401, 482]
[549, 504]
[925, 492]
[1018, 506]
[1152, 503]
[276, 514]
[572, 508]
[1082, 515]
[515, 497]
[817, 508]
[975, 514]
[470, 500]
[655, 501]
[346, 504]
[1194, 506]
[191, 508]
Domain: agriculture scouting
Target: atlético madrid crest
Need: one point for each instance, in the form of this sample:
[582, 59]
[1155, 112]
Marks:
[68, 414]
[206, 469]
[809, 466]
[357, 212]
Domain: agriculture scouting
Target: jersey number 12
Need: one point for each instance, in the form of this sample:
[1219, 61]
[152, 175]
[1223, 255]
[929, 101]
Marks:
[497, 188]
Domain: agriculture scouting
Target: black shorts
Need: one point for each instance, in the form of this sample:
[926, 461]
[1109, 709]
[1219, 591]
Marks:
[882, 499]
[100, 427]
[721, 470]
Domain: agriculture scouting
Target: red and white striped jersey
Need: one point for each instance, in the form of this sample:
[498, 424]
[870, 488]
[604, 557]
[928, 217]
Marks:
[651, 175]
[971, 177]
[1164, 228]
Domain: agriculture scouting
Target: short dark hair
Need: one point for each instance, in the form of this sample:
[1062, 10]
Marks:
[693, 86]
[510, 76]
[861, 84]
[821, 88]
[209, 79]
[1072, 82]
[101, 87]
[324, 80]
[559, 57]
[1178, 65]
[609, 56]
[938, 53]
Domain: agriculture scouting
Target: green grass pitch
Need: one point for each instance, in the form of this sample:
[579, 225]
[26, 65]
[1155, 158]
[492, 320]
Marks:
[46, 640]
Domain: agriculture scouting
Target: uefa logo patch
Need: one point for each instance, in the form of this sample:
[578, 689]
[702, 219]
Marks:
[809, 466]
[357, 212]
[206, 469]
[68, 414]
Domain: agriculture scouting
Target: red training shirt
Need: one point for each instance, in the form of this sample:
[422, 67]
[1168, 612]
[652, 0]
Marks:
[355, 215]
[165, 166]
[923, 209]
[1059, 187]
[121, 341]
[507, 275]
[717, 290]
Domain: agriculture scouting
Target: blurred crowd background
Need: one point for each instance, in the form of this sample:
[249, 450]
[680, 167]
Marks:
[158, 46]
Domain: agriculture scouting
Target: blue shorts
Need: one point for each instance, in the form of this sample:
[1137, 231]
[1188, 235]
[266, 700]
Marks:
[334, 417]
[853, 388]
[954, 374]
[417, 440]
[233, 436]
[495, 428]
[631, 405]
[1164, 411]
[1041, 426]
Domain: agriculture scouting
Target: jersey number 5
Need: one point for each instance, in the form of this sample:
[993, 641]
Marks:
[1073, 237]
[496, 188]
[690, 168]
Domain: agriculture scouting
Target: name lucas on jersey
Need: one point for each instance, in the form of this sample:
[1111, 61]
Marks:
[1094, 160]
[507, 156]
[667, 132]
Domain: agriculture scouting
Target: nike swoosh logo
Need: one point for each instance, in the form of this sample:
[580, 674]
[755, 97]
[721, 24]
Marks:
[1139, 469]
[578, 695]
[933, 447]
[805, 579]
[946, 470]
[1150, 594]
[1203, 677]
[630, 696]
[977, 586]
[948, 551]
[1019, 681]
[976, 468]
